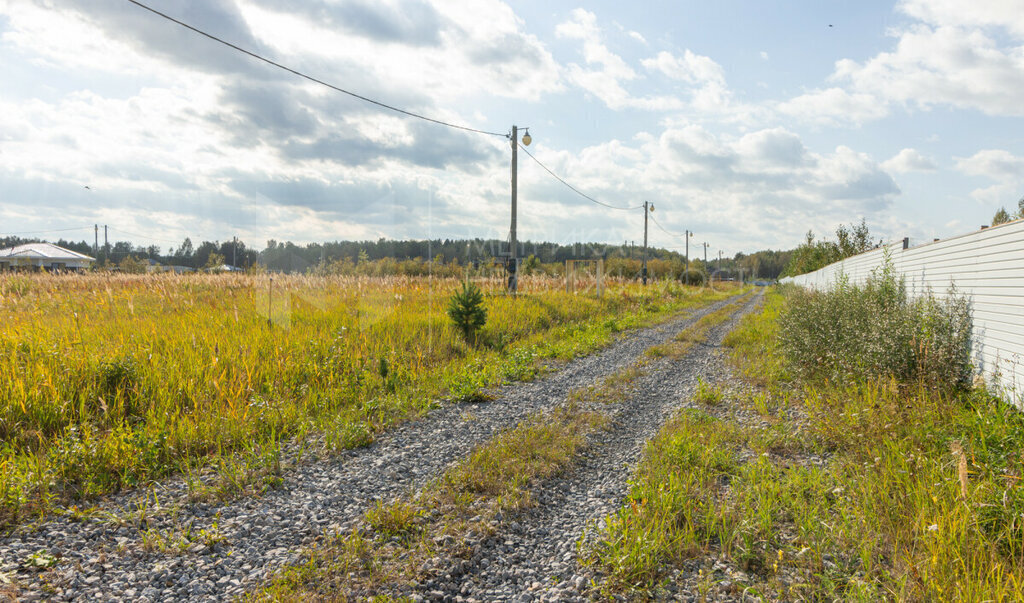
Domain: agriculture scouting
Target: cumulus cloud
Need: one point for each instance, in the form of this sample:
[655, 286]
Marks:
[952, 54]
[834, 107]
[908, 160]
[996, 164]
[605, 72]
[757, 185]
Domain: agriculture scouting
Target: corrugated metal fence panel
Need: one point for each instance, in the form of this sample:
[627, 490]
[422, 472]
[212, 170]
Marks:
[987, 266]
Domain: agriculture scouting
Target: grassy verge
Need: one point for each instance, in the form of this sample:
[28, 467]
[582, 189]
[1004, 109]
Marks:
[109, 382]
[863, 491]
[409, 541]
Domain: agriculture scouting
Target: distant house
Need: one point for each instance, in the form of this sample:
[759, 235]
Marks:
[43, 256]
[154, 266]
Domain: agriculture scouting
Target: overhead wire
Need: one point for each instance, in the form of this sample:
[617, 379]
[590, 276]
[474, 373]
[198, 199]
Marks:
[311, 78]
[571, 187]
[315, 80]
[45, 231]
[669, 233]
[135, 234]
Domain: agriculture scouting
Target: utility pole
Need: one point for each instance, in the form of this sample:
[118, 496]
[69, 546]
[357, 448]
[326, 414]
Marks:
[686, 235]
[511, 266]
[513, 261]
[95, 240]
[719, 264]
[643, 272]
[234, 252]
[106, 245]
[705, 255]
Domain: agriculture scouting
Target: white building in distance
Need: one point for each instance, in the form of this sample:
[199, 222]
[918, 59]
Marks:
[43, 256]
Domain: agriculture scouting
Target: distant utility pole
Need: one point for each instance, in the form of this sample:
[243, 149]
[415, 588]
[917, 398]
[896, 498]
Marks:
[95, 240]
[106, 244]
[234, 252]
[705, 255]
[719, 264]
[686, 235]
[643, 272]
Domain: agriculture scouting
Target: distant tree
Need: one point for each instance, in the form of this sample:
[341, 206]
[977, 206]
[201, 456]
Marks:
[214, 262]
[1020, 208]
[812, 255]
[1001, 217]
[183, 255]
[132, 265]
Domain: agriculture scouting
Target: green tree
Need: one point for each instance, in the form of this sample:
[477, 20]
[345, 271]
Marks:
[132, 265]
[1001, 217]
[466, 310]
[214, 262]
[812, 255]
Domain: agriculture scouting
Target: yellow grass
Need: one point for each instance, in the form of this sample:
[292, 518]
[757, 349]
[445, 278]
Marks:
[108, 381]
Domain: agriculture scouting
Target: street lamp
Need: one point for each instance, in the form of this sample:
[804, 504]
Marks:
[512, 266]
[648, 207]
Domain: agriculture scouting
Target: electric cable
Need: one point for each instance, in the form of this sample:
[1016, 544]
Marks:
[671, 234]
[45, 231]
[573, 188]
[311, 78]
[135, 234]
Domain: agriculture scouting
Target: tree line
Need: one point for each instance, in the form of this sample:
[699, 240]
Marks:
[387, 256]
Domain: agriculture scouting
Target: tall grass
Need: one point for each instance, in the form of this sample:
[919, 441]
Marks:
[111, 381]
[865, 489]
[876, 330]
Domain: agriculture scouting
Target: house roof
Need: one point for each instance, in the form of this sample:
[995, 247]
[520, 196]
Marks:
[45, 251]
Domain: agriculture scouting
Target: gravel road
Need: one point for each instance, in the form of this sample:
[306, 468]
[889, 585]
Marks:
[533, 557]
[237, 544]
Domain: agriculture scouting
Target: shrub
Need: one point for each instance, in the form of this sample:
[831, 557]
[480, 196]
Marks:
[852, 332]
[692, 277]
[466, 309]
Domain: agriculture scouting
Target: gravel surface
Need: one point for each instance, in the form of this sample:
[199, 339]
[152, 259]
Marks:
[533, 556]
[131, 551]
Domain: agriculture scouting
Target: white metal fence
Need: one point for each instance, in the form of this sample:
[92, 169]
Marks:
[987, 266]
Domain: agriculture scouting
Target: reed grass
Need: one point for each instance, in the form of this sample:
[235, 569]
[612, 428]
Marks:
[111, 381]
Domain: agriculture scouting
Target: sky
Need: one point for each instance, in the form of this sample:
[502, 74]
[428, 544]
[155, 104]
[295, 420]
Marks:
[746, 123]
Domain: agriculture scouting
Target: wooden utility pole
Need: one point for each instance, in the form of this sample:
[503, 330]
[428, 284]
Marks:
[513, 265]
[643, 272]
[686, 235]
[106, 245]
[96, 240]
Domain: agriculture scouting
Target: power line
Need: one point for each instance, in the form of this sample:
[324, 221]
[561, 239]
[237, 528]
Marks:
[573, 188]
[133, 234]
[671, 234]
[46, 231]
[311, 78]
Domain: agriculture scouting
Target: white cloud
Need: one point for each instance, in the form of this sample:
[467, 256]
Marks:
[1008, 14]
[908, 160]
[605, 72]
[996, 164]
[639, 38]
[834, 107]
[755, 186]
[690, 68]
[957, 54]
[764, 55]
